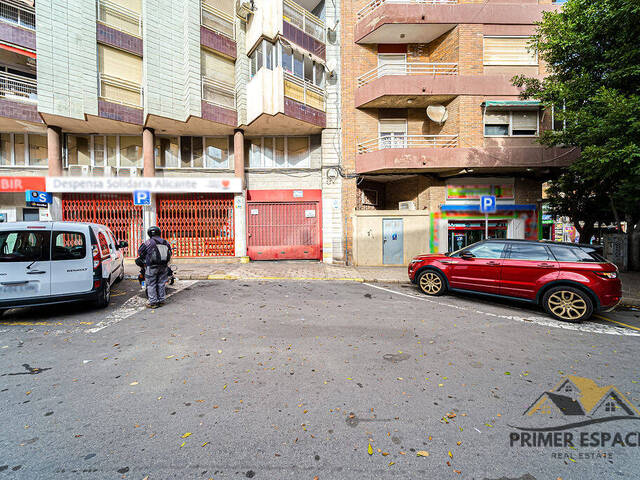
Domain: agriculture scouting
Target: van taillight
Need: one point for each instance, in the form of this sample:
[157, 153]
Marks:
[96, 256]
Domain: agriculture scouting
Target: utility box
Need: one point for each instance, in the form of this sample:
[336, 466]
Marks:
[616, 250]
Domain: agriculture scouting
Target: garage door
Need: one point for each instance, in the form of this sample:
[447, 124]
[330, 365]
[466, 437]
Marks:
[197, 225]
[115, 211]
[283, 230]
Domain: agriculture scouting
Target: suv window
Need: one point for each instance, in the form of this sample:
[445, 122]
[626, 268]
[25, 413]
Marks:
[68, 246]
[575, 254]
[487, 250]
[24, 246]
[529, 251]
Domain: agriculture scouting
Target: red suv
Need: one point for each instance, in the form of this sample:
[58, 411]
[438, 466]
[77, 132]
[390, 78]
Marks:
[570, 281]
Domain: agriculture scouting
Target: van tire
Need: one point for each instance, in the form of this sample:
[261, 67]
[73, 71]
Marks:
[105, 295]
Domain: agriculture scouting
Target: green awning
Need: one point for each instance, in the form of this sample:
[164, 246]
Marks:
[512, 103]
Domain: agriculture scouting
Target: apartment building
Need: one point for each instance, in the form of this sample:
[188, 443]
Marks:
[226, 112]
[431, 122]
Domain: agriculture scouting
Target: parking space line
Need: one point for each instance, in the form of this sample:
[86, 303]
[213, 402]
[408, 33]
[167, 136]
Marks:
[602, 317]
[542, 321]
[132, 306]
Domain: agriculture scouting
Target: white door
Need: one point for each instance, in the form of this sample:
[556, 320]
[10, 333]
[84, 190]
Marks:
[107, 259]
[392, 64]
[25, 266]
[71, 260]
[392, 133]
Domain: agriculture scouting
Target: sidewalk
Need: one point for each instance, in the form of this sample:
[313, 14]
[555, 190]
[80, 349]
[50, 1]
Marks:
[311, 270]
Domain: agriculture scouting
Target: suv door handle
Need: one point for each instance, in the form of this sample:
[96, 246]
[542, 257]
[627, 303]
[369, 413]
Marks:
[493, 263]
[545, 265]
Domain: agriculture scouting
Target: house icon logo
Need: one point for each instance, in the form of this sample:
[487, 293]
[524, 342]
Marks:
[575, 396]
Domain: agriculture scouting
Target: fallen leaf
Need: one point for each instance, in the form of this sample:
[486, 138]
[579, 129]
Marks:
[507, 373]
[133, 383]
[204, 443]
[450, 454]
[186, 435]
[370, 450]
[225, 387]
[170, 356]
[183, 444]
[384, 454]
[422, 453]
[391, 463]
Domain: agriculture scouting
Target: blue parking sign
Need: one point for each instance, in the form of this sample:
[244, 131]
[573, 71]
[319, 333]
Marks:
[141, 197]
[488, 204]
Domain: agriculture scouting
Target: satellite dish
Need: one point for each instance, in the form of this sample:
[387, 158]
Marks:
[331, 27]
[437, 113]
[244, 8]
[331, 66]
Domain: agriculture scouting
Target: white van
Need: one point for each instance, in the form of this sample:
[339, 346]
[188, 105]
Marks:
[43, 263]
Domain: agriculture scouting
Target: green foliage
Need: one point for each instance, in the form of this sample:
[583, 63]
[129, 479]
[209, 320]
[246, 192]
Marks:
[592, 49]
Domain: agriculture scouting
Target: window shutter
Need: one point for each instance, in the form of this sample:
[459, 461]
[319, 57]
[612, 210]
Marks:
[119, 64]
[217, 67]
[225, 6]
[508, 51]
[133, 5]
[496, 118]
[393, 125]
[525, 120]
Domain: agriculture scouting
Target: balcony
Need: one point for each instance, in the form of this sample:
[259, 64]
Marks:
[408, 68]
[17, 88]
[432, 153]
[119, 99]
[18, 13]
[421, 21]
[119, 18]
[303, 91]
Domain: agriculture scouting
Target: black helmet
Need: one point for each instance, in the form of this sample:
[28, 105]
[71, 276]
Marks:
[154, 231]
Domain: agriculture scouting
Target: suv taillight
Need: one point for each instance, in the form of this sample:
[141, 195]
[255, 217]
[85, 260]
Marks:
[607, 274]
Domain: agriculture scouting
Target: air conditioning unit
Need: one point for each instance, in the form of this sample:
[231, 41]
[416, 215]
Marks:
[104, 171]
[127, 172]
[406, 206]
[79, 170]
[244, 8]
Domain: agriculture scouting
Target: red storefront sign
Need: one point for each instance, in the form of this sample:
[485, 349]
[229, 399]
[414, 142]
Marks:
[21, 184]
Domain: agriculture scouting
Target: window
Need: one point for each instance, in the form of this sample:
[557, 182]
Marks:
[192, 152]
[271, 56]
[508, 51]
[104, 246]
[610, 406]
[485, 250]
[568, 389]
[511, 123]
[68, 246]
[5, 149]
[20, 149]
[392, 132]
[216, 152]
[103, 150]
[278, 152]
[529, 251]
[558, 123]
[130, 151]
[167, 152]
[120, 76]
[24, 246]
[392, 64]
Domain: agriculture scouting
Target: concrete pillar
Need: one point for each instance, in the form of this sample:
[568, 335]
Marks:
[238, 155]
[240, 199]
[54, 147]
[148, 146]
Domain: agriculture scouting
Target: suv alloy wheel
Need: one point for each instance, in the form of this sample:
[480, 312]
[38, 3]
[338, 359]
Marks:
[431, 283]
[568, 304]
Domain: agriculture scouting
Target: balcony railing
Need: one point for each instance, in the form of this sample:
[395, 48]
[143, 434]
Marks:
[371, 6]
[18, 13]
[304, 20]
[218, 93]
[303, 91]
[19, 88]
[217, 21]
[408, 68]
[119, 17]
[117, 90]
[408, 141]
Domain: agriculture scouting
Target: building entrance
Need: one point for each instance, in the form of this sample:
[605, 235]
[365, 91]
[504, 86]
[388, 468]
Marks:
[463, 233]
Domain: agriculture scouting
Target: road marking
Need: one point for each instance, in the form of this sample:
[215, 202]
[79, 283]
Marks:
[298, 279]
[602, 317]
[132, 306]
[543, 321]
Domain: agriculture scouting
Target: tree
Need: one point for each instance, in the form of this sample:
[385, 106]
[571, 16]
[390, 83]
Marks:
[592, 53]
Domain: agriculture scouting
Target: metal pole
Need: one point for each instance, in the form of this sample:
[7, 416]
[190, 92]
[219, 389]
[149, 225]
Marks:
[486, 226]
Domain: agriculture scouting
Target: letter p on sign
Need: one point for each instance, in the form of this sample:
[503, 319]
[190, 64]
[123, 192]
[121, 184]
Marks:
[488, 204]
[141, 197]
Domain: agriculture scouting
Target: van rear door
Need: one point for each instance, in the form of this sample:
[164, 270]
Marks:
[71, 259]
[25, 266]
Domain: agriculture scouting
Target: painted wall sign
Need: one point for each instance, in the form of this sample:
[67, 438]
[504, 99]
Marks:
[474, 192]
[21, 184]
[150, 184]
[298, 194]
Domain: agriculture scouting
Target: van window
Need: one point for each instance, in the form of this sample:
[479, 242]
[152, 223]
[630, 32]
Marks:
[24, 246]
[104, 247]
[68, 246]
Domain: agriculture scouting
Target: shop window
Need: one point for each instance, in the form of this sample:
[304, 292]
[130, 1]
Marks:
[216, 152]
[130, 151]
[5, 149]
[19, 149]
[278, 152]
[511, 123]
[38, 151]
[167, 152]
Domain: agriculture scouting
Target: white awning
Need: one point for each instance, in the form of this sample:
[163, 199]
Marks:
[300, 50]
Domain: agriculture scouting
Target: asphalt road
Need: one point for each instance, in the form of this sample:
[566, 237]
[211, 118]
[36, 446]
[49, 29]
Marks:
[294, 380]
